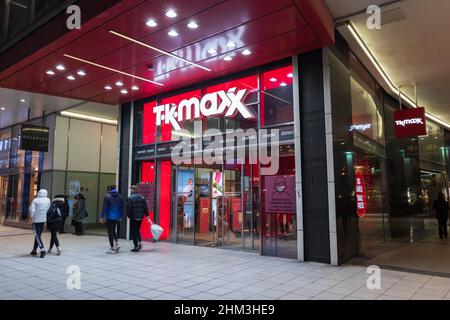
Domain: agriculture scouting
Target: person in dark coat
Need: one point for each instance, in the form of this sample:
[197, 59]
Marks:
[79, 213]
[65, 209]
[136, 211]
[441, 207]
[54, 220]
[112, 213]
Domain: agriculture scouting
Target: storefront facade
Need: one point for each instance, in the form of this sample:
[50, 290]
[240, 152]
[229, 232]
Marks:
[353, 184]
[221, 204]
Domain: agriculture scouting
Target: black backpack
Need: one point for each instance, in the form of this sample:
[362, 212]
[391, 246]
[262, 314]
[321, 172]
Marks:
[54, 214]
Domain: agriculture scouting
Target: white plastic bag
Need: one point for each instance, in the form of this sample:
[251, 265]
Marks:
[155, 230]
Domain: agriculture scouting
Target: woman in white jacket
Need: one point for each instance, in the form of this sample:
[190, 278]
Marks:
[38, 213]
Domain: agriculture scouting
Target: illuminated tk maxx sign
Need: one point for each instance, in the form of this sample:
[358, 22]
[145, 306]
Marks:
[228, 103]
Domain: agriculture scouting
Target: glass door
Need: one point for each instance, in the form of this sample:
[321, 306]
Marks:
[205, 210]
[184, 204]
[231, 215]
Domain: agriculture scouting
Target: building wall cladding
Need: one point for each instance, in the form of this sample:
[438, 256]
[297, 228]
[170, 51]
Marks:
[314, 159]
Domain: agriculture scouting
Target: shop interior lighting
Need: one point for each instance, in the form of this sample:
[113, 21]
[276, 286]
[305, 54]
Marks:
[383, 74]
[87, 117]
[114, 70]
[173, 33]
[158, 50]
[192, 25]
[171, 13]
[151, 23]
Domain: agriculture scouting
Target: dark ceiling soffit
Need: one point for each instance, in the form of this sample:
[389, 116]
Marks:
[48, 30]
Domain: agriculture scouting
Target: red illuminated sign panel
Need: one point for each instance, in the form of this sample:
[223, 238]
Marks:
[361, 199]
[410, 123]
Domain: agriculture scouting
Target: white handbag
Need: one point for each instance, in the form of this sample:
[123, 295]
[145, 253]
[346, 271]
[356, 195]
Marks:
[155, 230]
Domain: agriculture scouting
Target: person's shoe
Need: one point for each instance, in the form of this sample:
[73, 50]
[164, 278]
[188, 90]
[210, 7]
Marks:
[58, 251]
[43, 253]
[135, 249]
[111, 250]
[33, 253]
[140, 246]
[49, 250]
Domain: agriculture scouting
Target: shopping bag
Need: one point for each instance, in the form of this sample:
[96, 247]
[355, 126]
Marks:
[155, 230]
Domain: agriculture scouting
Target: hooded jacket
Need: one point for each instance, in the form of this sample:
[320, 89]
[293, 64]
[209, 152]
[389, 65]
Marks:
[39, 207]
[137, 207]
[59, 203]
[112, 206]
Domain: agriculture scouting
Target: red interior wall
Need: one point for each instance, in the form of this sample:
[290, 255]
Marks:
[147, 175]
[164, 198]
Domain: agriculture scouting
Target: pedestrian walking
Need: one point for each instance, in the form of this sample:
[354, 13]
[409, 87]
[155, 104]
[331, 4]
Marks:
[112, 214]
[38, 213]
[137, 209]
[441, 207]
[54, 220]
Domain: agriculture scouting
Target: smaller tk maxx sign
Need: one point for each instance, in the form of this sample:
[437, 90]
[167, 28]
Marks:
[410, 123]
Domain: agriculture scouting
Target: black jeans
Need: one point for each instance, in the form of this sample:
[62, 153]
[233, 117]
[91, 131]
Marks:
[38, 228]
[135, 229]
[443, 227]
[63, 222]
[54, 238]
[79, 228]
[113, 227]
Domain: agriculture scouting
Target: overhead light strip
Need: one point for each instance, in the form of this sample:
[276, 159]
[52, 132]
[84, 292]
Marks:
[87, 117]
[158, 50]
[383, 74]
[113, 70]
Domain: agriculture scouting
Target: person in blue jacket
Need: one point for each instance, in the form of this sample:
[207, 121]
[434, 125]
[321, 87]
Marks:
[112, 213]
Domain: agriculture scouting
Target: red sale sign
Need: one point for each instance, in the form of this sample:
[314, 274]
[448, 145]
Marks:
[410, 123]
[361, 199]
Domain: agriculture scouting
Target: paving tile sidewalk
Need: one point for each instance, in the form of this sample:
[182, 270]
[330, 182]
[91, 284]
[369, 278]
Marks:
[175, 271]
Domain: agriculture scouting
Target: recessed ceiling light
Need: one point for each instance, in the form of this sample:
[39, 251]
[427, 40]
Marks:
[81, 73]
[3, 108]
[50, 72]
[119, 83]
[23, 100]
[151, 23]
[192, 25]
[273, 79]
[228, 58]
[231, 44]
[246, 52]
[123, 91]
[283, 84]
[290, 75]
[134, 88]
[71, 78]
[108, 87]
[173, 33]
[212, 51]
[171, 13]
[60, 67]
